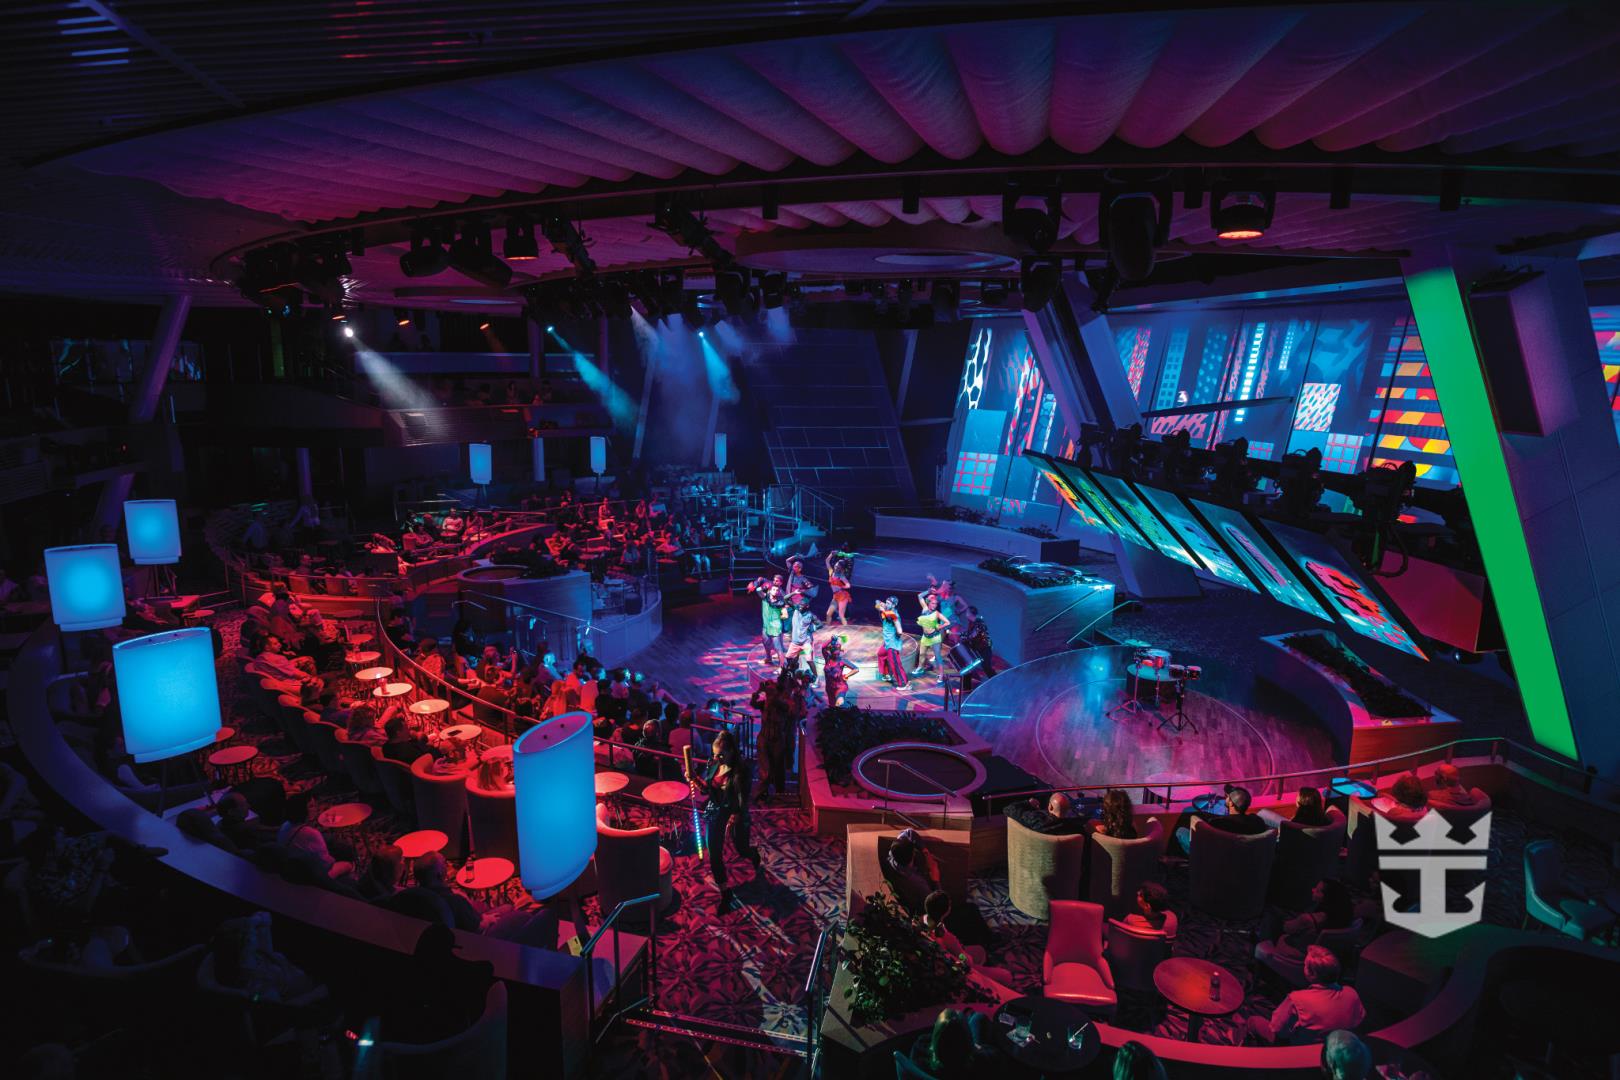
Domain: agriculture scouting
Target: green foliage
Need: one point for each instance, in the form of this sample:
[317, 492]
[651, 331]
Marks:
[1380, 697]
[1027, 577]
[895, 968]
[843, 734]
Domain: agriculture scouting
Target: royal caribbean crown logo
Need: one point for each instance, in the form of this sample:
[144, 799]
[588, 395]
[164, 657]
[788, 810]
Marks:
[1433, 854]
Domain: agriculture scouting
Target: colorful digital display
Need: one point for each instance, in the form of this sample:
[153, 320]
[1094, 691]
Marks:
[1258, 558]
[1351, 596]
[1197, 538]
[1145, 519]
[1066, 492]
[1101, 506]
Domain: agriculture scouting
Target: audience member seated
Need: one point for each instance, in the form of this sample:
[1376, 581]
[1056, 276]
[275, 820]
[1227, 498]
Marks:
[383, 875]
[1308, 1015]
[1449, 793]
[1237, 818]
[235, 823]
[1332, 909]
[1118, 818]
[245, 959]
[1153, 910]
[1309, 810]
[913, 873]
[399, 744]
[1133, 1061]
[936, 913]
[302, 837]
[431, 875]
[362, 724]
[439, 995]
[1057, 818]
[957, 1048]
[1345, 1057]
[1407, 801]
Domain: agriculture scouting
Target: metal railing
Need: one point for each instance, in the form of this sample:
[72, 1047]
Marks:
[816, 988]
[1497, 749]
[945, 793]
[649, 980]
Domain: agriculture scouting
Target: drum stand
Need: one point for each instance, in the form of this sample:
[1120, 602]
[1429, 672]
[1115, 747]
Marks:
[1133, 704]
[1179, 720]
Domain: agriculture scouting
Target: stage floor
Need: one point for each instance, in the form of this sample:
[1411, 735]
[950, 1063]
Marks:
[1058, 718]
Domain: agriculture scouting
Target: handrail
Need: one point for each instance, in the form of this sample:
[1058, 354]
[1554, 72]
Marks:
[888, 786]
[588, 953]
[814, 998]
[893, 764]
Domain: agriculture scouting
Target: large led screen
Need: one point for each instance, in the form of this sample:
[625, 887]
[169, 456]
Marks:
[1100, 503]
[1145, 519]
[1197, 538]
[1257, 557]
[1066, 492]
[1325, 567]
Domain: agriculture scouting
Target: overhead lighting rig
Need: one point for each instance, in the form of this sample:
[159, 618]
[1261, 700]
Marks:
[1133, 222]
[1036, 227]
[1241, 213]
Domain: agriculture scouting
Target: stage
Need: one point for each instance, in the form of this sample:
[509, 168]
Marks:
[1056, 718]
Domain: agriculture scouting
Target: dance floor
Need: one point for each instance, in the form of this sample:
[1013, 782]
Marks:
[1064, 719]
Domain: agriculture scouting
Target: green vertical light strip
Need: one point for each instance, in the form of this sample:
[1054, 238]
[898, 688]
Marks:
[1476, 446]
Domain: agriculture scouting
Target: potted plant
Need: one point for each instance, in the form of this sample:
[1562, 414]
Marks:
[895, 968]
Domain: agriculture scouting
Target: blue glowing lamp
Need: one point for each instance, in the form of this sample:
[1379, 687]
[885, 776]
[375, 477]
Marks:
[598, 454]
[478, 462]
[720, 451]
[87, 586]
[153, 526]
[554, 773]
[168, 693]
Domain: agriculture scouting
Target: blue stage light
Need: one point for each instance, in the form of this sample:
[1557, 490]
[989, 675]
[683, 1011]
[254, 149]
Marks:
[86, 585]
[153, 528]
[478, 462]
[168, 692]
[554, 774]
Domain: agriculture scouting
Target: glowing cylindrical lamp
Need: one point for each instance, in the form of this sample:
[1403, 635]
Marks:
[554, 773]
[478, 462]
[87, 586]
[598, 454]
[168, 693]
[537, 450]
[720, 451]
[153, 526]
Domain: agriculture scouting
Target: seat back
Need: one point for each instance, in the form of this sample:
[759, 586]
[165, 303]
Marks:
[441, 803]
[1119, 868]
[478, 1051]
[1076, 933]
[1042, 868]
[1544, 882]
[1133, 954]
[1305, 855]
[323, 736]
[1229, 873]
[295, 721]
[906, 1069]
[395, 778]
[359, 764]
[493, 816]
[626, 865]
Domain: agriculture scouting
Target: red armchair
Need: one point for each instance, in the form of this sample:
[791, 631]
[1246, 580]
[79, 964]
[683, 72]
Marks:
[1074, 968]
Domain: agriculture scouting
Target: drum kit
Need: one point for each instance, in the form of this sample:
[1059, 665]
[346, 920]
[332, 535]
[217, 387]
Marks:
[1154, 666]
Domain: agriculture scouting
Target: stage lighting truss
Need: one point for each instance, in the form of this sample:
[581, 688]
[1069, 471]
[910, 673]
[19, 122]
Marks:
[680, 223]
[472, 256]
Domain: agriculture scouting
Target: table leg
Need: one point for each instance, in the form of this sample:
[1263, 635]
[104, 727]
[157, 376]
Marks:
[1195, 1024]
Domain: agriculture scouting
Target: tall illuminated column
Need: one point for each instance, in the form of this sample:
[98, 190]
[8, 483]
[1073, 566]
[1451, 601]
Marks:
[554, 780]
[1546, 508]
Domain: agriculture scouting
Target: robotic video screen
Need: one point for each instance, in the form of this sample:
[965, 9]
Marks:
[1197, 538]
[1256, 555]
[1067, 493]
[1101, 505]
[1345, 588]
[1144, 518]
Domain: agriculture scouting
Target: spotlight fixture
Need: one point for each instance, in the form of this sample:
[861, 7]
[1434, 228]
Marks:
[1241, 214]
[1102, 281]
[1339, 183]
[348, 331]
[910, 195]
[731, 288]
[1133, 224]
[426, 256]
[614, 297]
[681, 224]
[519, 245]
[567, 240]
[402, 317]
[992, 293]
[471, 255]
[483, 326]
[769, 202]
[1032, 226]
[772, 290]
[945, 298]
[1038, 281]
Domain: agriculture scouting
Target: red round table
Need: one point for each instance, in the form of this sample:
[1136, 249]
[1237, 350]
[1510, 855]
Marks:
[393, 690]
[234, 764]
[344, 815]
[373, 674]
[413, 845]
[485, 874]
[1185, 982]
[429, 706]
[661, 796]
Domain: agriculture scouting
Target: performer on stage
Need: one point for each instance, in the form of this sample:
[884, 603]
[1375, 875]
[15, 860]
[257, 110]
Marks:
[946, 592]
[837, 669]
[797, 582]
[772, 610]
[840, 568]
[890, 667]
[976, 636]
[725, 781]
[932, 622]
[802, 627]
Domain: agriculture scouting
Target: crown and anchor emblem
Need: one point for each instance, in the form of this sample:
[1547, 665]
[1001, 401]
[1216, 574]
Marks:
[1433, 853]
